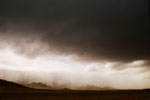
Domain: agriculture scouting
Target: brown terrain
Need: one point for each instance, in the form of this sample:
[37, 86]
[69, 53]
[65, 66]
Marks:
[14, 91]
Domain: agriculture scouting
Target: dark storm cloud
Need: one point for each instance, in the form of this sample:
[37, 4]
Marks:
[113, 30]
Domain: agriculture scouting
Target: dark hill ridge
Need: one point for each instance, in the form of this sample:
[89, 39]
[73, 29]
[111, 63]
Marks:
[11, 87]
[8, 84]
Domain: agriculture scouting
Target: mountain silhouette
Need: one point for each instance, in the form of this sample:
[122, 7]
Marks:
[9, 87]
[8, 84]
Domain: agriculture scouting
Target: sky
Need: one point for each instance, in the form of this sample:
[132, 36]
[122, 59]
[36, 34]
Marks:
[75, 43]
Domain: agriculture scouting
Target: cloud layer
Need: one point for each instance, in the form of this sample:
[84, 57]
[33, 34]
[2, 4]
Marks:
[112, 32]
[96, 30]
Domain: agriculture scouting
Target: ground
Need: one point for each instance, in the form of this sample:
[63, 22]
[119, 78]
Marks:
[12, 91]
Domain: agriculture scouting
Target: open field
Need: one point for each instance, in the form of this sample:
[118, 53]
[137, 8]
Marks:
[75, 95]
[10, 91]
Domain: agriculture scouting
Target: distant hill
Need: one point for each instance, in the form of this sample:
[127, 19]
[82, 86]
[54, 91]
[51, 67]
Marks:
[108, 88]
[93, 87]
[38, 85]
[5, 85]
[148, 89]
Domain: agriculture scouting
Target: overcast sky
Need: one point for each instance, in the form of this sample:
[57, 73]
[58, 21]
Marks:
[110, 36]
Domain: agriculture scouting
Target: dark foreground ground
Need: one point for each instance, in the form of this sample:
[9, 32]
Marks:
[18, 92]
[77, 95]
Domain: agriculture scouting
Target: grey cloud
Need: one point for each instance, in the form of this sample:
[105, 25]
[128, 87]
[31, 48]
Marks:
[93, 30]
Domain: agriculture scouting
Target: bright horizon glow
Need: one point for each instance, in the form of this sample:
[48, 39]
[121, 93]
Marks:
[63, 70]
